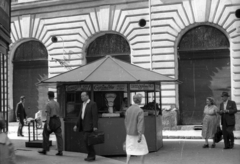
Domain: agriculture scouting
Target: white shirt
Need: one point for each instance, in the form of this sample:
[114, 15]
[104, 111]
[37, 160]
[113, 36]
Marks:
[84, 107]
[225, 105]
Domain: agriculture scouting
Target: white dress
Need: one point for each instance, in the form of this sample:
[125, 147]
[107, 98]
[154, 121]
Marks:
[133, 147]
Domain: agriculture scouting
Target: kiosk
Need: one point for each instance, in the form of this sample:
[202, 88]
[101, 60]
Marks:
[111, 83]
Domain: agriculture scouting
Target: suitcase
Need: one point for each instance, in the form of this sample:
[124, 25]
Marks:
[96, 138]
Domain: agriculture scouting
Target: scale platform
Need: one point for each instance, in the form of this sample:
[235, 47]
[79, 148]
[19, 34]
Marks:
[33, 140]
[36, 143]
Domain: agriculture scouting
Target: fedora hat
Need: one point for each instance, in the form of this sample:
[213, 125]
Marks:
[224, 94]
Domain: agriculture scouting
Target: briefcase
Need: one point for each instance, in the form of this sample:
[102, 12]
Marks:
[218, 135]
[95, 138]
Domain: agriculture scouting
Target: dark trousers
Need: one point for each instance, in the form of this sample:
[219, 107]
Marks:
[90, 149]
[228, 135]
[55, 126]
[20, 127]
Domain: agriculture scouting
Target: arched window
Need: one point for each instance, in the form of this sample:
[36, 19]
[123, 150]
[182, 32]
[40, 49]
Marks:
[30, 51]
[203, 38]
[109, 44]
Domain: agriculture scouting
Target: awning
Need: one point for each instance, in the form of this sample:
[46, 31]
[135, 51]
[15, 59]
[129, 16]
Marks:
[109, 69]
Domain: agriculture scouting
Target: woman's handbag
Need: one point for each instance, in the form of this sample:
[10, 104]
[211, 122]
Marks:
[96, 137]
[218, 135]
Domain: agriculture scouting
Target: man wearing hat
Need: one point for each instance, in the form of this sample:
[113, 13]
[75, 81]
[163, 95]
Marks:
[21, 115]
[228, 109]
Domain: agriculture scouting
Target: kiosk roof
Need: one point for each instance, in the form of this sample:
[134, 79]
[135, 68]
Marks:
[109, 69]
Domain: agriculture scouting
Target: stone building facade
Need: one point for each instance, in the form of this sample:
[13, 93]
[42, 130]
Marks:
[5, 17]
[184, 33]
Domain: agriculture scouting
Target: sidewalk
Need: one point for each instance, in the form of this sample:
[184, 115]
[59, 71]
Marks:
[26, 155]
[174, 151]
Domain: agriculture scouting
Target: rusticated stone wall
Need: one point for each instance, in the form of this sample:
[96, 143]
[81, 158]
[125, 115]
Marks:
[79, 22]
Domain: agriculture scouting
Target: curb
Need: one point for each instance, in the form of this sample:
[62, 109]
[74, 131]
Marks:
[188, 137]
[182, 137]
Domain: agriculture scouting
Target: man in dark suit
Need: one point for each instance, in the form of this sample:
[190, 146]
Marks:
[21, 115]
[228, 109]
[87, 123]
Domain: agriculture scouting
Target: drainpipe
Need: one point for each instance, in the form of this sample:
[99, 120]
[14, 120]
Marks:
[150, 31]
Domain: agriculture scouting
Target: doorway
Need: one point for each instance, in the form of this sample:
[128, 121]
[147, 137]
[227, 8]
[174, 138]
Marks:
[30, 66]
[204, 69]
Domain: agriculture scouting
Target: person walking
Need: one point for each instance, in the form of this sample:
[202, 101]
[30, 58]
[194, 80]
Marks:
[210, 121]
[21, 115]
[134, 123]
[227, 111]
[87, 122]
[53, 124]
[7, 152]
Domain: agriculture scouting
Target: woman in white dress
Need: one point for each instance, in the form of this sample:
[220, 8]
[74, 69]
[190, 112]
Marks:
[134, 122]
[210, 121]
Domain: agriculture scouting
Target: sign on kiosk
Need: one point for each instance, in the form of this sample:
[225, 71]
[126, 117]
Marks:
[78, 88]
[141, 87]
[110, 87]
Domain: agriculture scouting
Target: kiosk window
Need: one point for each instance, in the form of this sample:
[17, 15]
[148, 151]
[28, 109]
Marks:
[151, 97]
[70, 97]
[73, 104]
[104, 102]
[70, 110]
[148, 102]
[143, 98]
[78, 97]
